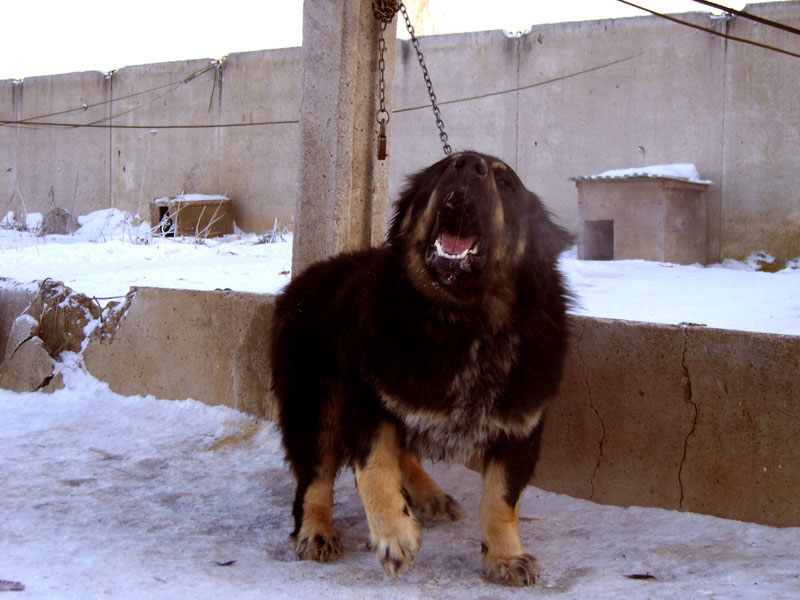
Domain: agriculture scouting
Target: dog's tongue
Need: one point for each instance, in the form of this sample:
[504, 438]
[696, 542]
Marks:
[455, 245]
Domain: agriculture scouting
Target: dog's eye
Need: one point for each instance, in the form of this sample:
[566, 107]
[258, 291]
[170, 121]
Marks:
[504, 183]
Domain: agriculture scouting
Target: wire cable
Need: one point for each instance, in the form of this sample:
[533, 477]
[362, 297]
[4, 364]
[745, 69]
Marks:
[394, 111]
[113, 126]
[752, 17]
[552, 79]
[174, 84]
[712, 31]
[99, 124]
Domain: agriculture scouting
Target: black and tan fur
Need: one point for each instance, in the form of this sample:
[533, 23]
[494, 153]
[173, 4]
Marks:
[447, 340]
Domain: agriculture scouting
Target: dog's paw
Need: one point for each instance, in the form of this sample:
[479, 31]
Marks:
[398, 544]
[440, 506]
[325, 547]
[514, 570]
[397, 553]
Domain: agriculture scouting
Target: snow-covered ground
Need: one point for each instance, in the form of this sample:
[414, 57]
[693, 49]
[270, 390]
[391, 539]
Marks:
[105, 496]
[108, 254]
[134, 497]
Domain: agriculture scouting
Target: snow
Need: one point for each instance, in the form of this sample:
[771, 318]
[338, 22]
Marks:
[683, 171]
[113, 251]
[129, 497]
[110, 253]
[731, 295]
[136, 497]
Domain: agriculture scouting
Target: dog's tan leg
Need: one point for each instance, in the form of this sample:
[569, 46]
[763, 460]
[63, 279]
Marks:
[316, 538]
[503, 556]
[393, 528]
[427, 498]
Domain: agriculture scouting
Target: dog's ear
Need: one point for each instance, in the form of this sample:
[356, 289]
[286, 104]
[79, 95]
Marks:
[546, 238]
[417, 192]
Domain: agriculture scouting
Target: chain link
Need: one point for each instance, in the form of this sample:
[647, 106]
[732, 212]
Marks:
[385, 11]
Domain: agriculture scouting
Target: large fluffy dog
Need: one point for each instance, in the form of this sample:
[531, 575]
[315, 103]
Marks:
[447, 341]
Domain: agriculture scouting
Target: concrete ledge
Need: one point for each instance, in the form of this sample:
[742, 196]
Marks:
[688, 418]
[685, 418]
[177, 344]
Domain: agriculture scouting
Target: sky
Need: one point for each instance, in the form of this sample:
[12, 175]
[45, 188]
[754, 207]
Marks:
[43, 37]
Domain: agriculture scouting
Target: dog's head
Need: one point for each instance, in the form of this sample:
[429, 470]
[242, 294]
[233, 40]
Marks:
[466, 226]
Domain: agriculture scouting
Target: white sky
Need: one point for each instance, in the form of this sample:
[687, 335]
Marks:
[42, 37]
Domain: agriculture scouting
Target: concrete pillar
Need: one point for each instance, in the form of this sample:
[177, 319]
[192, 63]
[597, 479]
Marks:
[342, 191]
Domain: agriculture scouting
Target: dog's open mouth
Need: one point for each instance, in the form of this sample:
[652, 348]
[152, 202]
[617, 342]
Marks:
[454, 246]
[455, 250]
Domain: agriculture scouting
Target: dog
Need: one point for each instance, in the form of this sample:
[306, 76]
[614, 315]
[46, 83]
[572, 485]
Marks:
[446, 342]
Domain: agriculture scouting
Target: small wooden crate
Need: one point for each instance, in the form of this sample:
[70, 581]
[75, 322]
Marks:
[194, 215]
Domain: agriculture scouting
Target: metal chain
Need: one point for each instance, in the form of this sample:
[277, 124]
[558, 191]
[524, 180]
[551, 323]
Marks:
[382, 115]
[385, 11]
[436, 112]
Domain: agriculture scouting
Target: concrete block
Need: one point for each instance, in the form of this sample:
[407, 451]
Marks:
[35, 325]
[743, 456]
[177, 344]
[62, 315]
[617, 431]
[14, 299]
[685, 418]
[28, 368]
[23, 328]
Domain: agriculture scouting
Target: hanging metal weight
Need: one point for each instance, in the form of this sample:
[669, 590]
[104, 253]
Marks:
[382, 141]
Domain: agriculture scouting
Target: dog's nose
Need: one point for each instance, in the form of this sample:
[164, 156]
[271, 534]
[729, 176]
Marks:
[469, 163]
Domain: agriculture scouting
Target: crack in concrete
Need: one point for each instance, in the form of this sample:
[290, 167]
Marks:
[10, 356]
[593, 409]
[686, 385]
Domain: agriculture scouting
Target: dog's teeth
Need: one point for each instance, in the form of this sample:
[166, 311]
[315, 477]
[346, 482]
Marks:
[441, 251]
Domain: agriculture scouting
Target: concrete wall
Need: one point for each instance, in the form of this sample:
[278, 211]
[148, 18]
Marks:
[685, 418]
[762, 124]
[649, 92]
[45, 167]
[86, 169]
